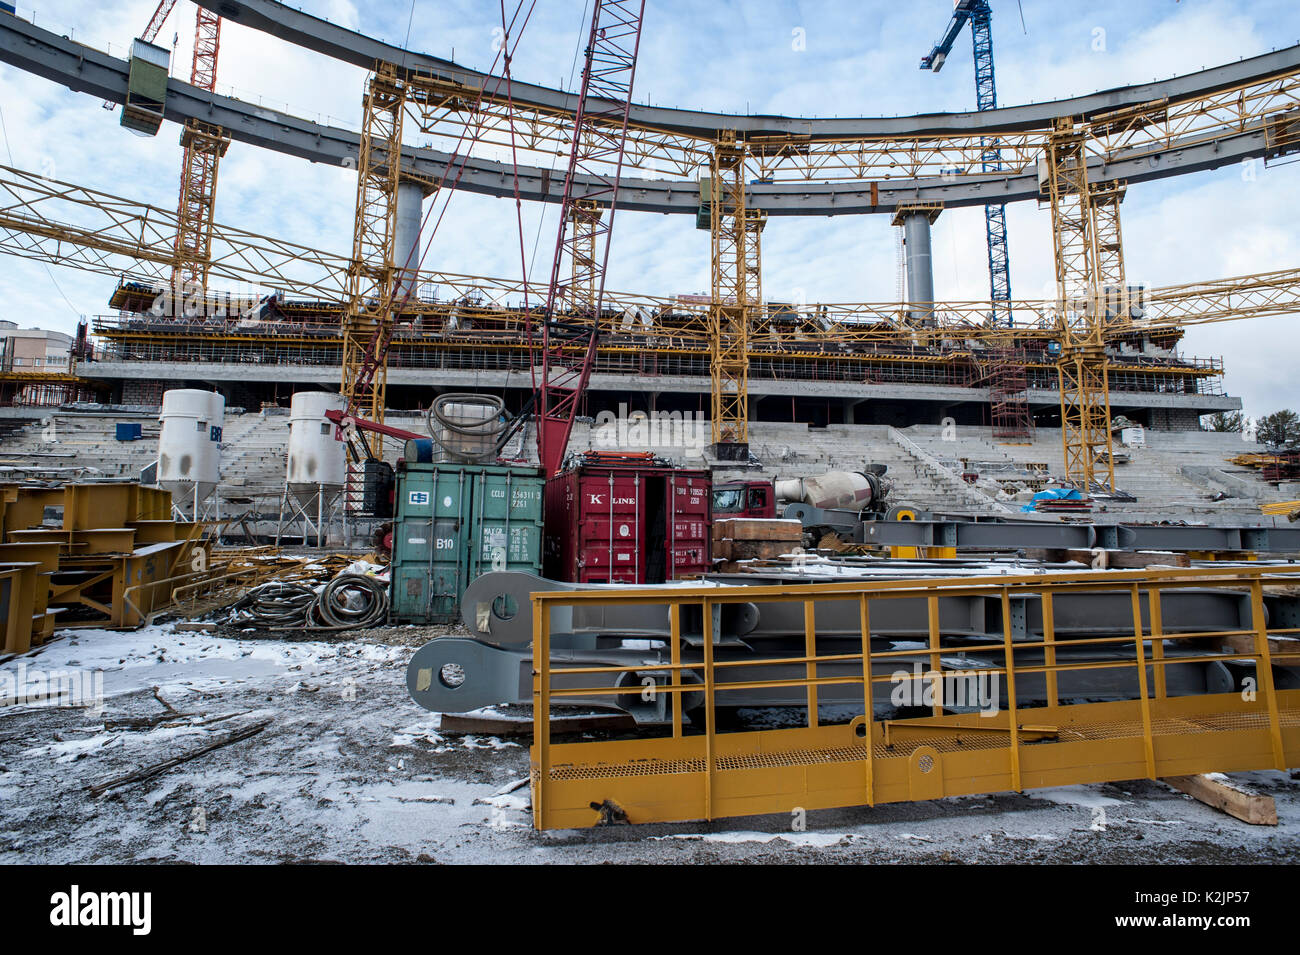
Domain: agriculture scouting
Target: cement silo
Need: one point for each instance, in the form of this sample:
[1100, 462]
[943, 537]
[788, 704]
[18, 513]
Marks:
[316, 466]
[189, 445]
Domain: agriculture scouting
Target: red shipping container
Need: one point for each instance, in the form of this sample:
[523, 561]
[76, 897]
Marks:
[636, 524]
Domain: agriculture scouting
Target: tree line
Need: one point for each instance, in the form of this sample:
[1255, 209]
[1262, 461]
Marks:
[1281, 429]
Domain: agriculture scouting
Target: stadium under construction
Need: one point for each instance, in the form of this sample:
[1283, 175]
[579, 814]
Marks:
[704, 529]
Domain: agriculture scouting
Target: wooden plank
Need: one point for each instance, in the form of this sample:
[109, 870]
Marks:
[1284, 651]
[1131, 559]
[752, 550]
[1218, 792]
[486, 723]
[758, 529]
[148, 772]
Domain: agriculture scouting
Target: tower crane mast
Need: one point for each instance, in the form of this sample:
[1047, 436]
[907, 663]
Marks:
[980, 17]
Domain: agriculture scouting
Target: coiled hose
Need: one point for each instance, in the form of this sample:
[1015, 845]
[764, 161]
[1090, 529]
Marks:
[489, 428]
[347, 602]
[276, 604]
[352, 600]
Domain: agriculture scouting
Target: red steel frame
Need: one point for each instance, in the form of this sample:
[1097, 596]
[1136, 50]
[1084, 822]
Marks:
[599, 134]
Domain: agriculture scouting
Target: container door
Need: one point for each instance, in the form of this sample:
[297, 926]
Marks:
[412, 544]
[690, 527]
[507, 522]
[428, 558]
[448, 570]
[611, 529]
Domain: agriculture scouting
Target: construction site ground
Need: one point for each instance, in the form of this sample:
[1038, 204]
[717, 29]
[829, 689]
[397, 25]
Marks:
[348, 769]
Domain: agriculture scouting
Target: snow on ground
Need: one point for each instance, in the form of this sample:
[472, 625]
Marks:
[348, 768]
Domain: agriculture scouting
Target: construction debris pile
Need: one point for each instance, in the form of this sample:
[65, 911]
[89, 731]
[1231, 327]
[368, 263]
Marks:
[1272, 468]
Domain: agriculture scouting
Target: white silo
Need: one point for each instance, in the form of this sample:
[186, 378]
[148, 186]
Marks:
[189, 444]
[316, 464]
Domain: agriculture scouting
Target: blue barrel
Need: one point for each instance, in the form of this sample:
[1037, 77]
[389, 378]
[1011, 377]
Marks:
[418, 451]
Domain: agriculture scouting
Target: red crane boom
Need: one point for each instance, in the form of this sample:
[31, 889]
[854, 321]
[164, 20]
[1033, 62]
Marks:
[600, 132]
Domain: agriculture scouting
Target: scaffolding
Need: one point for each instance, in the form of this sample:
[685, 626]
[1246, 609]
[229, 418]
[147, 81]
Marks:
[1009, 412]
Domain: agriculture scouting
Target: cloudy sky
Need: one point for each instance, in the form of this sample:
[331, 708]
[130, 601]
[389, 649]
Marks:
[859, 58]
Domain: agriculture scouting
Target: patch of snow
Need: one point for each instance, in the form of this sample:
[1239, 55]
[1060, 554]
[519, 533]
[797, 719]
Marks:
[1083, 796]
[490, 742]
[817, 840]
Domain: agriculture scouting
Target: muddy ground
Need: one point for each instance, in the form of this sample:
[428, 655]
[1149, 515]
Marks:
[345, 768]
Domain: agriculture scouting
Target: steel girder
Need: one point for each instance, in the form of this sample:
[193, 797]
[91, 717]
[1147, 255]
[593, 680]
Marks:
[494, 665]
[1008, 535]
[313, 33]
[1178, 151]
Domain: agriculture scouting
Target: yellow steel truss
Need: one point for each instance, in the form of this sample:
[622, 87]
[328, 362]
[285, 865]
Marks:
[372, 273]
[1111, 277]
[702, 772]
[1085, 404]
[204, 144]
[584, 219]
[735, 231]
[65, 224]
[1262, 106]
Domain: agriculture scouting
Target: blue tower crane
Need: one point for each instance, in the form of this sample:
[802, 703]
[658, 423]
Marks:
[986, 97]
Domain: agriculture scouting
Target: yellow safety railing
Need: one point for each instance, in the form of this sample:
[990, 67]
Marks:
[693, 770]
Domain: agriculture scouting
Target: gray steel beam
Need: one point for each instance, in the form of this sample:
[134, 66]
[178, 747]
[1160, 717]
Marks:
[995, 535]
[321, 36]
[86, 70]
[453, 674]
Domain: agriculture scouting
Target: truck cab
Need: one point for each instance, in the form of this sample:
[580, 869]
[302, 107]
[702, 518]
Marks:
[744, 499]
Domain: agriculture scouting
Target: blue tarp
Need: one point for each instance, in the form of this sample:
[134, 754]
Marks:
[1053, 494]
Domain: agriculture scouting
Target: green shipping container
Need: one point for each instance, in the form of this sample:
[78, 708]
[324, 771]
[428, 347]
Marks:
[454, 522]
[146, 87]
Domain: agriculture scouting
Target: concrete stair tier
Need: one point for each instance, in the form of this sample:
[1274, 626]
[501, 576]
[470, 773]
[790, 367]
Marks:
[1173, 477]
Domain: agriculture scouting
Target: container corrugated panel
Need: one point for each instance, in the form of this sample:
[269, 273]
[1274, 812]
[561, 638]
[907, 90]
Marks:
[633, 525]
[146, 91]
[454, 522]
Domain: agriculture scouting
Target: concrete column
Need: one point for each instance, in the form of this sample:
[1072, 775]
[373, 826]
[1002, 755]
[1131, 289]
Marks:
[920, 271]
[406, 247]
